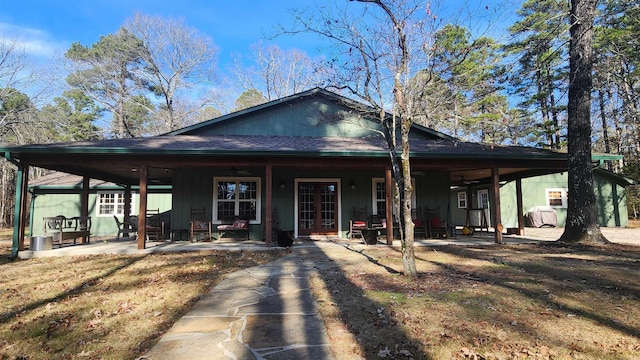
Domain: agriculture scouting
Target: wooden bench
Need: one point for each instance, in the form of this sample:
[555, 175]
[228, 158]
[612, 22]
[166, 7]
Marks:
[237, 226]
[61, 228]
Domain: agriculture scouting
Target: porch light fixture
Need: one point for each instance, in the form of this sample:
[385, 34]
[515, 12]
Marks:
[282, 184]
[352, 184]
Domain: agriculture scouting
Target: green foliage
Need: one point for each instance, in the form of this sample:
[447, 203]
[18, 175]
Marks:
[16, 110]
[462, 88]
[249, 98]
[72, 117]
[139, 118]
[106, 72]
[540, 80]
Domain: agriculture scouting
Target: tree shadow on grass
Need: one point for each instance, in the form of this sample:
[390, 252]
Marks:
[8, 316]
[558, 276]
[365, 313]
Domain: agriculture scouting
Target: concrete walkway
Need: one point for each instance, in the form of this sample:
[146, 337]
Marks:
[264, 312]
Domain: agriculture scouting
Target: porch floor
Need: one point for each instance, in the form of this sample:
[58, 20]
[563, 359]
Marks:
[108, 245]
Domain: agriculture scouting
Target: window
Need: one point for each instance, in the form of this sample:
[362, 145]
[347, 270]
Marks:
[111, 203]
[557, 197]
[379, 192]
[462, 200]
[236, 198]
[379, 197]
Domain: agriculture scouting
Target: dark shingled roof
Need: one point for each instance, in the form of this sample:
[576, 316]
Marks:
[286, 146]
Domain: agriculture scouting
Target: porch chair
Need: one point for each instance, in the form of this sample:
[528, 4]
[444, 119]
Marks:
[199, 224]
[124, 228]
[154, 225]
[436, 226]
[420, 226]
[358, 223]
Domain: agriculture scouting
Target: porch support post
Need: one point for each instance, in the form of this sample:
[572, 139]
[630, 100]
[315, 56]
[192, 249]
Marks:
[142, 210]
[84, 201]
[497, 217]
[520, 209]
[388, 205]
[127, 203]
[20, 209]
[269, 202]
[127, 209]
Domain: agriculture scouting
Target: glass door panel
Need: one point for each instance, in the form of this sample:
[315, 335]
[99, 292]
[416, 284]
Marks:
[317, 208]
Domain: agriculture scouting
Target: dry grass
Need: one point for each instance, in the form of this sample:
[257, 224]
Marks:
[524, 302]
[103, 307]
[508, 302]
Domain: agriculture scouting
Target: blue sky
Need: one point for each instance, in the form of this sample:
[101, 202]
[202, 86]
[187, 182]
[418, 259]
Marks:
[50, 26]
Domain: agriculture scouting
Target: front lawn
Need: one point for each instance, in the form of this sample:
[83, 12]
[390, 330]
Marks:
[497, 302]
[103, 307]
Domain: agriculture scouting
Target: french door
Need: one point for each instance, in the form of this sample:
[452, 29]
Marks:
[317, 208]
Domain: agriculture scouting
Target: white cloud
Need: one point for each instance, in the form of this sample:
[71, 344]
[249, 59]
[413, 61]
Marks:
[33, 41]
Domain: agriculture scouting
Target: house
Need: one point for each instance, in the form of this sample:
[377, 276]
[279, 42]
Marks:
[304, 161]
[468, 199]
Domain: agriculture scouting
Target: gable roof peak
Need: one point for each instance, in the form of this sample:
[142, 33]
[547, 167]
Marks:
[316, 91]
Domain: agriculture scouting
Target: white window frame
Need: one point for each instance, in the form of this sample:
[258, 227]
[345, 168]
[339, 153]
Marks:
[462, 201]
[236, 179]
[119, 199]
[374, 194]
[564, 196]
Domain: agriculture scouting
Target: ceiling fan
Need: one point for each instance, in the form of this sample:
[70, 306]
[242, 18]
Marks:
[468, 182]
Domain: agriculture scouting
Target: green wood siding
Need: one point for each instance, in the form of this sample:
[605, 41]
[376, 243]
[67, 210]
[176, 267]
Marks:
[610, 199]
[67, 203]
[194, 188]
[315, 117]
[306, 117]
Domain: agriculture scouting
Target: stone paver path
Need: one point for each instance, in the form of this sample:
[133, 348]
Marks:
[264, 312]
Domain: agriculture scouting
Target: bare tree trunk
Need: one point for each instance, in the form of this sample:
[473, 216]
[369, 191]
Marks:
[554, 110]
[582, 221]
[7, 195]
[408, 253]
[544, 109]
[3, 195]
[605, 127]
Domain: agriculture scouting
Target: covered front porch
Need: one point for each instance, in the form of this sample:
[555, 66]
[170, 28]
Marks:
[277, 170]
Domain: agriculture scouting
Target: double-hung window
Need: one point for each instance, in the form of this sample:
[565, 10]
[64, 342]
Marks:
[237, 198]
[557, 197]
[110, 203]
[462, 200]
[379, 195]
